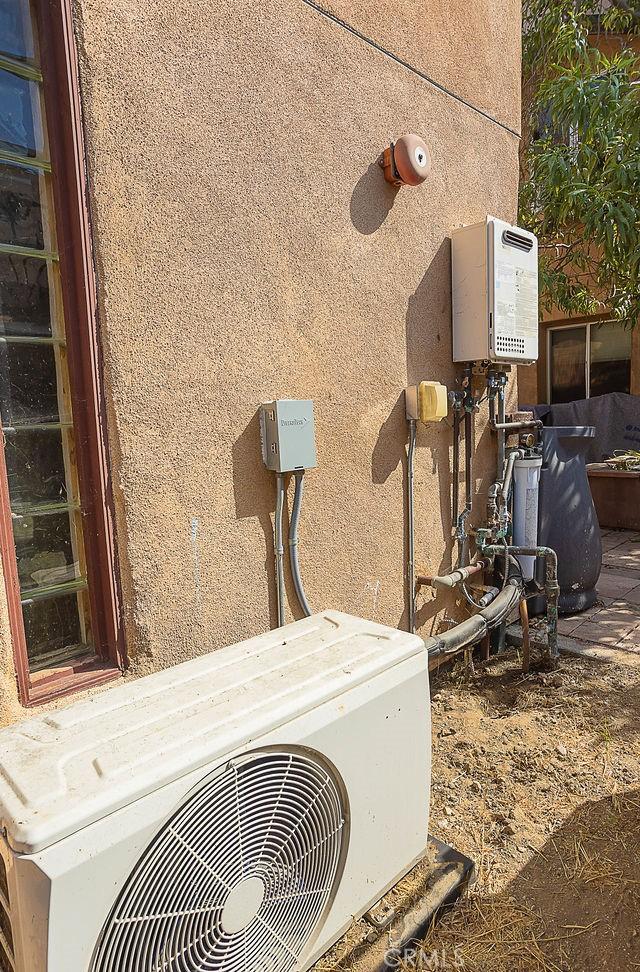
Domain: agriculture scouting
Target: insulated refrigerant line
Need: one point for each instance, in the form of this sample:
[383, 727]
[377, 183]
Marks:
[279, 547]
[293, 543]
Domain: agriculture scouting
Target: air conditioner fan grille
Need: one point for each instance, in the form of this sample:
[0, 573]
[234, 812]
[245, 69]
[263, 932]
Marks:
[238, 879]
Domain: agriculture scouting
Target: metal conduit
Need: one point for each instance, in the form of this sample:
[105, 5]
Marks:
[411, 543]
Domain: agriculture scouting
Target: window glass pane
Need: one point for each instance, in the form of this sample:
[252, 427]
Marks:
[5, 964]
[610, 341]
[7, 931]
[44, 550]
[20, 214]
[35, 468]
[20, 129]
[16, 38]
[567, 364]
[40, 461]
[54, 631]
[24, 296]
[28, 386]
[610, 368]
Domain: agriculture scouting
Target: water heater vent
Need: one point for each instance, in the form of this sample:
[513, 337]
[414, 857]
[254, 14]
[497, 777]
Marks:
[511, 238]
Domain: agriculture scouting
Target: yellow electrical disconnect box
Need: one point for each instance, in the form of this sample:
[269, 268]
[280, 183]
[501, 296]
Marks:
[433, 403]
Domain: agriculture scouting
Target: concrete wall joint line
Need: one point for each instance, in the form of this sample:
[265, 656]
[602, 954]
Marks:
[410, 67]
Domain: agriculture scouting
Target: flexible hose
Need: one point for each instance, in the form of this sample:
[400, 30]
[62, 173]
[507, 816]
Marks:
[471, 630]
[293, 544]
[279, 548]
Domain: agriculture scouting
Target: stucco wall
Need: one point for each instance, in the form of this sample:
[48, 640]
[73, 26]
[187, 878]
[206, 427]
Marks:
[473, 49]
[248, 248]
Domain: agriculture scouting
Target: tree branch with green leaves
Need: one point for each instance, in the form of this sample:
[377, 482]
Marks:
[580, 154]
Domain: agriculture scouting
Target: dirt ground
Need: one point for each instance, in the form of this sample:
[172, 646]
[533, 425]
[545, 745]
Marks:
[537, 778]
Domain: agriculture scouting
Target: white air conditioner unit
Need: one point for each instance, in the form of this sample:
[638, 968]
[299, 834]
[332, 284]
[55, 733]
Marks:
[494, 293]
[232, 813]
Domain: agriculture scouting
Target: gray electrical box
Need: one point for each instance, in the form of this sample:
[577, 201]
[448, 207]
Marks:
[288, 435]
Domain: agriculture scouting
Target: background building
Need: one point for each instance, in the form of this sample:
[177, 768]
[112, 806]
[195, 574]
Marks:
[580, 357]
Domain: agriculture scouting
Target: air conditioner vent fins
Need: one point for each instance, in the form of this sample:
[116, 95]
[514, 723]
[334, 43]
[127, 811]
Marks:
[511, 238]
[239, 878]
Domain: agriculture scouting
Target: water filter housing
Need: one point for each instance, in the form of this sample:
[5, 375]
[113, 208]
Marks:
[526, 487]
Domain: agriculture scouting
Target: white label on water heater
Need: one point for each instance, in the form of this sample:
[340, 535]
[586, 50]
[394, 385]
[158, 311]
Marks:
[516, 300]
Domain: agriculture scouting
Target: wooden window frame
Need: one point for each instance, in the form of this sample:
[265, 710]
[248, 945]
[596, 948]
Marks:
[54, 24]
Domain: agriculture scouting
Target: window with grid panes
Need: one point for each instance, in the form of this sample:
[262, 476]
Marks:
[37, 407]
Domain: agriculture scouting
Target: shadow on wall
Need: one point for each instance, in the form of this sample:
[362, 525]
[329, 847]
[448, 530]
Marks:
[371, 200]
[427, 320]
[428, 317]
[254, 496]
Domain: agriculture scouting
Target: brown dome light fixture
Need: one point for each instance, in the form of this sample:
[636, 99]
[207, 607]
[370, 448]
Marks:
[406, 162]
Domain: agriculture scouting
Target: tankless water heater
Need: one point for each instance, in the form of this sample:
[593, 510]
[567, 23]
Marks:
[494, 273]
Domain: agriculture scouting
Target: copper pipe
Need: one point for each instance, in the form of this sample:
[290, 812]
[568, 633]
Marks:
[450, 580]
[526, 646]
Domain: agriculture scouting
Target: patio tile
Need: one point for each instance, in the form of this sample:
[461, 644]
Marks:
[629, 543]
[581, 616]
[597, 634]
[617, 612]
[616, 585]
[633, 596]
[623, 571]
[611, 541]
[628, 568]
[617, 629]
[567, 625]
[626, 555]
[631, 642]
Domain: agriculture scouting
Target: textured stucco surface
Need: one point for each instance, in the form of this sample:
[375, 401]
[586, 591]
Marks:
[247, 248]
[473, 49]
